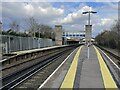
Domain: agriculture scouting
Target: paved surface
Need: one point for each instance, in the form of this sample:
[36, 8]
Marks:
[90, 73]
[69, 79]
[32, 50]
[56, 80]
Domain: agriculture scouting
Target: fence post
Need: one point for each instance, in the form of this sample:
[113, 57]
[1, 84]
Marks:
[6, 47]
[29, 42]
[9, 45]
[38, 42]
[20, 43]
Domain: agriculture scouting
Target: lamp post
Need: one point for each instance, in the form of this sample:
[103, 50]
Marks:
[88, 31]
[89, 12]
[39, 37]
[39, 32]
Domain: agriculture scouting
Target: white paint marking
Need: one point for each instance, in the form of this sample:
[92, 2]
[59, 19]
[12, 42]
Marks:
[54, 72]
[88, 52]
[110, 59]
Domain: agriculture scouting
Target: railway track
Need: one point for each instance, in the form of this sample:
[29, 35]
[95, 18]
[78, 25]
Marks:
[42, 75]
[112, 63]
[115, 58]
[13, 80]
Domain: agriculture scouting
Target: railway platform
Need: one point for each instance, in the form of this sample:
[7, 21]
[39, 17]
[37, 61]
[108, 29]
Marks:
[84, 70]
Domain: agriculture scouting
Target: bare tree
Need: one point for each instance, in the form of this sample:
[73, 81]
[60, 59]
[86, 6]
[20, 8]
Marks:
[14, 26]
[39, 30]
[32, 25]
[116, 30]
[110, 38]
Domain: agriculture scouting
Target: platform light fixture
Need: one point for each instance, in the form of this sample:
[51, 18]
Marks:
[89, 12]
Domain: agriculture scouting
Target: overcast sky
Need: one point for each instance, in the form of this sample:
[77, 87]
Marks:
[68, 14]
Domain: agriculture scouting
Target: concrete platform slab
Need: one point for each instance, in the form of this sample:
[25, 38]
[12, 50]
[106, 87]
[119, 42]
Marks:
[56, 80]
[88, 72]
[90, 75]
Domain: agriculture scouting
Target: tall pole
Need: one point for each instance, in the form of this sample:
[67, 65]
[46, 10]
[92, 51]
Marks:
[39, 32]
[89, 18]
[89, 39]
[89, 12]
[39, 39]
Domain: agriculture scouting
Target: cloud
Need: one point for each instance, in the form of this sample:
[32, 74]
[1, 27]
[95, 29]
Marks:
[67, 14]
[0, 11]
[50, 11]
[29, 9]
[43, 12]
[103, 20]
[60, 0]
[76, 17]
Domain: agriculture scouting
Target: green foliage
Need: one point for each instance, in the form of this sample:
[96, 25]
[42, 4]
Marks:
[39, 30]
[34, 29]
[110, 38]
[11, 32]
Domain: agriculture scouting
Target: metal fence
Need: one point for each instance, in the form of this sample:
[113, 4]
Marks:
[15, 43]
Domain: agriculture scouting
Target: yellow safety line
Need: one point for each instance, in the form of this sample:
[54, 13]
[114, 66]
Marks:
[107, 78]
[70, 76]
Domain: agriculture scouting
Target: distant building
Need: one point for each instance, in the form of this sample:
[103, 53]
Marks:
[58, 34]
